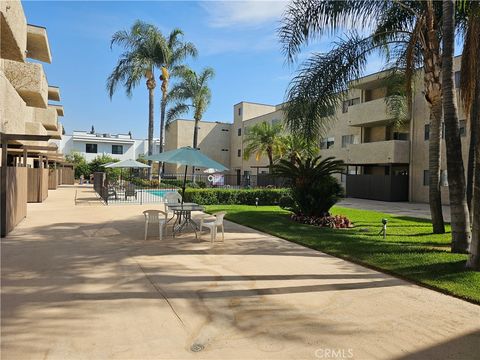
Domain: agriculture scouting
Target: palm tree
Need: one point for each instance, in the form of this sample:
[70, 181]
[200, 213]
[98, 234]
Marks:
[470, 93]
[293, 147]
[263, 139]
[190, 93]
[177, 52]
[143, 45]
[461, 234]
[407, 32]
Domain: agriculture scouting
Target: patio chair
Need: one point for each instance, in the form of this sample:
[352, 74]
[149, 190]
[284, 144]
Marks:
[153, 216]
[172, 197]
[112, 193]
[214, 225]
[130, 191]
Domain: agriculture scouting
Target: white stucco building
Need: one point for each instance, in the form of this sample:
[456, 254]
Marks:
[90, 145]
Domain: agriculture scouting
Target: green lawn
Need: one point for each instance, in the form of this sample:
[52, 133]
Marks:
[410, 249]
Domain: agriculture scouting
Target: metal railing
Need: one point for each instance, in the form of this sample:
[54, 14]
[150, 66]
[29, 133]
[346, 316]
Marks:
[139, 190]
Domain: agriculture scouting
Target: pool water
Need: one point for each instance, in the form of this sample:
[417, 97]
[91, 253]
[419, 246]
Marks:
[160, 193]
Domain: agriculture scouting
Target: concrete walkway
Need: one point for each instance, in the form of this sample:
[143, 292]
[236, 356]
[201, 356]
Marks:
[79, 282]
[418, 210]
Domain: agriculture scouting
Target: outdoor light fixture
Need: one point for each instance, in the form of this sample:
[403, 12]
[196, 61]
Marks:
[383, 231]
[256, 201]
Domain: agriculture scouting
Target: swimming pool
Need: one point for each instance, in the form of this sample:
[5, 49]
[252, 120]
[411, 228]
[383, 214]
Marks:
[160, 193]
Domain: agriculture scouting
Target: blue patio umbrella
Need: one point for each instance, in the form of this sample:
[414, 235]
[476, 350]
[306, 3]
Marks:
[187, 156]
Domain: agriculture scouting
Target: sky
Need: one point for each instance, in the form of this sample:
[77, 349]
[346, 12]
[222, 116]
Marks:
[236, 38]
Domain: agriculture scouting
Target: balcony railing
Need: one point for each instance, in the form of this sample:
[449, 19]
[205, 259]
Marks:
[380, 152]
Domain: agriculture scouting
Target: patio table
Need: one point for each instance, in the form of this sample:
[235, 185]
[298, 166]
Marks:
[183, 214]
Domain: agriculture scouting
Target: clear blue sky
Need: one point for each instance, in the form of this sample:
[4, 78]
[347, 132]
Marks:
[237, 39]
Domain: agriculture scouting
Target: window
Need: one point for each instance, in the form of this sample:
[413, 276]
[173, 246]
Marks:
[117, 149]
[457, 79]
[346, 140]
[348, 103]
[426, 177]
[239, 111]
[426, 135]
[463, 128]
[327, 143]
[224, 149]
[91, 148]
[224, 129]
[400, 136]
[239, 131]
[239, 152]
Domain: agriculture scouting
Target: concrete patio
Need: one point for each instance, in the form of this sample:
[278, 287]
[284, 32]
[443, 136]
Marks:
[79, 282]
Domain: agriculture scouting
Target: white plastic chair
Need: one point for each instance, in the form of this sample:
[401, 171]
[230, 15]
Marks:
[214, 225]
[172, 197]
[153, 216]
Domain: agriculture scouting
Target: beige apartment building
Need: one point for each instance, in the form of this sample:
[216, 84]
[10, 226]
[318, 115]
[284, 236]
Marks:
[31, 163]
[383, 162]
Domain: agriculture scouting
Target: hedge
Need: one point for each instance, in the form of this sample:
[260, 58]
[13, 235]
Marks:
[233, 196]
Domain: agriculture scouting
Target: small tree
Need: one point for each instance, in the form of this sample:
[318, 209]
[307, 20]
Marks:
[80, 163]
[96, 165]
[314, 189]
[263, 139]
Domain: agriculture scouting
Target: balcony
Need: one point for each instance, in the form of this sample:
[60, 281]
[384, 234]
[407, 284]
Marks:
[379, 152]
[56, 134]
[47, 117]
[29, 80]
[53, 93]
[12, 108]
[370, 113]
[13, 27]
[58, 108]
[37, 44]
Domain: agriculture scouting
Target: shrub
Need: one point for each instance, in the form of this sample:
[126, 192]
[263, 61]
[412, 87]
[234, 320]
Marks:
[233, 196]
[145, 183]
[314, 189]
[189, 183]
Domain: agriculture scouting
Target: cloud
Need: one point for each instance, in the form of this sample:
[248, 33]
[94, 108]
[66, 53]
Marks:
[243, 13]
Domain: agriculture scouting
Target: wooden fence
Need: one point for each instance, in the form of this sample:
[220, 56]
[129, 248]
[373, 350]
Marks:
[52, 179]
[37, 184]
[16, 198]
[68, 176]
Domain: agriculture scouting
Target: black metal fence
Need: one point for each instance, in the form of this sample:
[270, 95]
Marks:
[139, 190]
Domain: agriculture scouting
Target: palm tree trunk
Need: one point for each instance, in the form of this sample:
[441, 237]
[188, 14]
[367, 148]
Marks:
[474, 259]
[474, 122]
[163, 107]
[151, 103]
[433, 95]
[460, 221]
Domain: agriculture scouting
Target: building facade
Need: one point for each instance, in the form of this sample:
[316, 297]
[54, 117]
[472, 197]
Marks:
[91, 144]
[383, 162]
[31, 163]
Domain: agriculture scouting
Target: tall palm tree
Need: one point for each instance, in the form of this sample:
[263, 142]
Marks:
[461, 234]
[190, 93]
[470, 93]
[263, 139]
[177, 52]
[143, 45]
[407, 32]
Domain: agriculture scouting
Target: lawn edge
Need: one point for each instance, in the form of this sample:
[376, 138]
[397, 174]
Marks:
[367, 265]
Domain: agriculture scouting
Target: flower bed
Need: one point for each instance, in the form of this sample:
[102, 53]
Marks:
[334, 222]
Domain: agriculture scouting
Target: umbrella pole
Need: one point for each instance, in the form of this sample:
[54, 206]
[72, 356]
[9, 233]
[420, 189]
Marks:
[184, 183]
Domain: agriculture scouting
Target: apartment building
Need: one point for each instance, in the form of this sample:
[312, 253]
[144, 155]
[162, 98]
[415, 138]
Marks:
[28, 118]
[91, 144]
[383, 162]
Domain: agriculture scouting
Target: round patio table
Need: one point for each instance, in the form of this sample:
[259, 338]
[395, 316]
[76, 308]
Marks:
[184, 217]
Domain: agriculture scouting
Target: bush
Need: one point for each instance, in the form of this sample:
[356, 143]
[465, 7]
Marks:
[145, 183]
[334, 222]
[233, 196]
